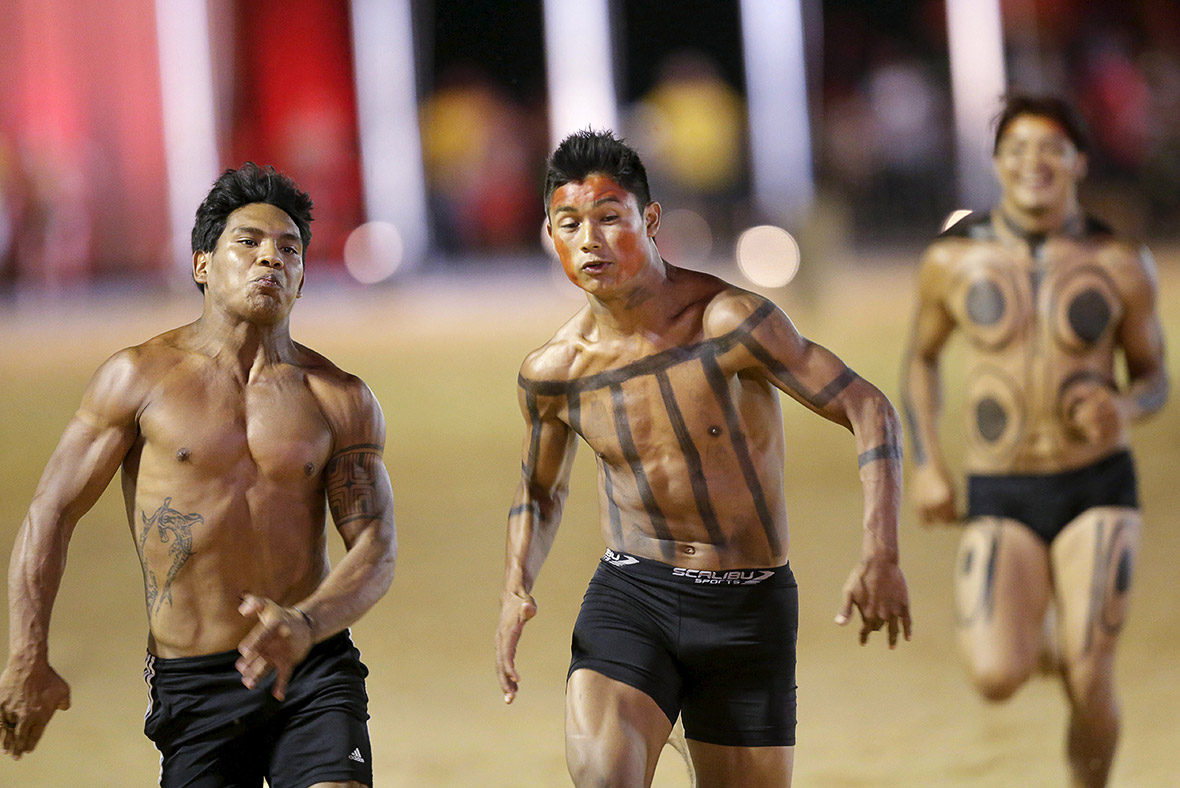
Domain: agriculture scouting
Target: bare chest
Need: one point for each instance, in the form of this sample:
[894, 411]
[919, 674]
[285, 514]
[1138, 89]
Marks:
[1062, 300]
[677, 403]
[221, 429]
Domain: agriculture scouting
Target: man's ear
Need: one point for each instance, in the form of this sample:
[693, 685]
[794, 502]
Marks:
[1082, 166]
[651, 218]
[201, 268]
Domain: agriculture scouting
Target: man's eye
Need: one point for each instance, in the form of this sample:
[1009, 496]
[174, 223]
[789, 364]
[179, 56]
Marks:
[569, 226]
[290, 250]
[248, 241]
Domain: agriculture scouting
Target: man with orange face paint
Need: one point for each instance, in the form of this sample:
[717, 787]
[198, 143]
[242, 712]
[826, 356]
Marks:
[672, 378]
[1046, 297]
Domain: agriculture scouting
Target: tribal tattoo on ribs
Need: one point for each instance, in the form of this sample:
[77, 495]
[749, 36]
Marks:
[351, 482]
[706, 355]
[175, 530]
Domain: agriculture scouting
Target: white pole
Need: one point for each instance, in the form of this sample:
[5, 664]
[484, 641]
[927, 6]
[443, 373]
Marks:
[776, 95]
[190, 137]
[580, 67]
[387, 111]
[976, 40]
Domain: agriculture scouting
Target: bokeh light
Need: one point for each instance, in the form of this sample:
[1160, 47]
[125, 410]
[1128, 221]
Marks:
[953, 218]
[373, 251]
[768, 256]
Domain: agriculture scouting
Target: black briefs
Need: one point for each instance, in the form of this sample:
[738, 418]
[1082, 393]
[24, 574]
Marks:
[1047, 502]
[716, 647]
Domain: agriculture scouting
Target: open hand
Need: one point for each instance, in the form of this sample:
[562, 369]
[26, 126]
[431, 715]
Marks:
[878, 590]
[278, 642]
[30, 694]
[515, 610]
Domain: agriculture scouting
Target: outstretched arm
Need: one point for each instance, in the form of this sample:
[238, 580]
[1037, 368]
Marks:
[549, 448]
[93, 445]
[818, 379]
[921, 394]
[360, 500]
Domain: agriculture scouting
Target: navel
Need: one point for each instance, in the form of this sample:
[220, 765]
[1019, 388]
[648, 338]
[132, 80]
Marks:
[714, 430]
[182, 454]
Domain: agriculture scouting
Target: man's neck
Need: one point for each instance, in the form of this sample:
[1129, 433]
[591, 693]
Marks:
[247, 345]
[1063, 219]
[641, 308]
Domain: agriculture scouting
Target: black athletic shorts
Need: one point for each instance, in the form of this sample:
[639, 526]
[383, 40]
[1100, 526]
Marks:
[716, 647]
[212, 732]
[1047, 502]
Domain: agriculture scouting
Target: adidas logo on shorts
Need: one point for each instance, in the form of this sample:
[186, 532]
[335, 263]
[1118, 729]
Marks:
[355, 755]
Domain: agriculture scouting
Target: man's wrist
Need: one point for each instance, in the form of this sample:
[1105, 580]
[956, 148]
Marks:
[307, 619]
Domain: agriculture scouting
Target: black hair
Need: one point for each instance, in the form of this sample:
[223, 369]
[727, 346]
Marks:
[1055, 109]
[249, 184]
[586, 152]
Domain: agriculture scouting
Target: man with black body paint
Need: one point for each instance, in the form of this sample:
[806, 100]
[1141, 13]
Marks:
[1047, 298]
[672, 377]
[234, 442]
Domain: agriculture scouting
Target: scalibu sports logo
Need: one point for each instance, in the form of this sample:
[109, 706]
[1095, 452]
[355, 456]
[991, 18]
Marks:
[732, 577]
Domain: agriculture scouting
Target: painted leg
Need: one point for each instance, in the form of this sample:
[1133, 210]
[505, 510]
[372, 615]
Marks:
[1002, 590]
[1093, 559]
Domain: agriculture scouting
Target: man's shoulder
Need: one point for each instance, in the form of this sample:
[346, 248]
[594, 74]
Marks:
[555, 360]
[732, 309]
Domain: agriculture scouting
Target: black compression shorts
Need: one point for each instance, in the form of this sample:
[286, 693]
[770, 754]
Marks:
[212, 732]
[716, 647]
[1047, 502]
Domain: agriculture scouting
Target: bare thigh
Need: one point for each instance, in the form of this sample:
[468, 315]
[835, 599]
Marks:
[717, 766]
[613, 732]
[1093, 561]
[1003, 585]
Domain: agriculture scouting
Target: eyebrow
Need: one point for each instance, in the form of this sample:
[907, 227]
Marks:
[595, 204]
[257, 231]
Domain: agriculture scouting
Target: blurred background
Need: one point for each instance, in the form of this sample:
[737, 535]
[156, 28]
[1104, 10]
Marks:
[421, 127]
[830, 138]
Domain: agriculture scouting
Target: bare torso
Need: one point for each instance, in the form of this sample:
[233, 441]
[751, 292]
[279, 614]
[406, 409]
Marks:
[1041, 317]
[224, 488]
[689, 451]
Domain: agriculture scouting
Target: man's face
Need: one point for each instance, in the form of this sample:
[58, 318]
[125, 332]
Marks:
[600, 233]
[1038, 166]
[256, 268]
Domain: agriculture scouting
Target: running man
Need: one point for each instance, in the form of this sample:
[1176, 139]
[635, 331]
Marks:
[672, 378]
[1047, 298]
[234, 441]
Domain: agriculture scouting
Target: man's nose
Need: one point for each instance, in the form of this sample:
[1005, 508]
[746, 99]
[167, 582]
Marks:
[268, 255]
[589, 239]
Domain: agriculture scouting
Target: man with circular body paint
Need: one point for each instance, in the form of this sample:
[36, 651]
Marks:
[1048, 299]
[672, 377]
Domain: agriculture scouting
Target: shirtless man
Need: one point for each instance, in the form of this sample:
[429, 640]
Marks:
[1046, 297]
[233, 441]
[672, 376]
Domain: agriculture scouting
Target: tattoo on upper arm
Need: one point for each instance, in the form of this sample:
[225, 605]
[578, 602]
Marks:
[351, 482]
[886, 451]
[175, 530]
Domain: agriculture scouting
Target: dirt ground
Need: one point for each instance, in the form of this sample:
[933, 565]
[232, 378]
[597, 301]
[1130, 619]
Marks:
[442, 358]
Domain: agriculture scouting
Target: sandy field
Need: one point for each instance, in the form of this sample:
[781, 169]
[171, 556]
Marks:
[442, 357]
